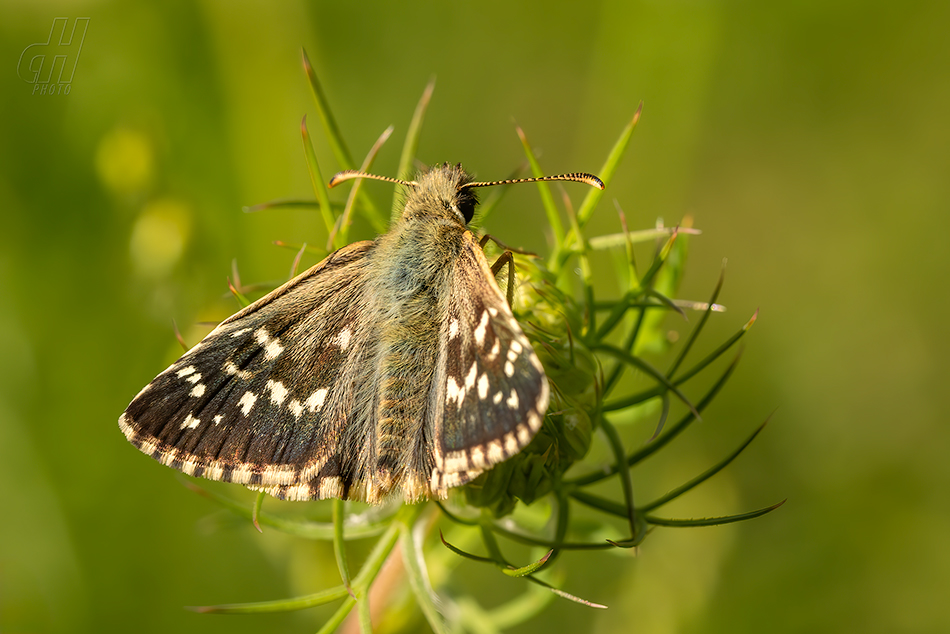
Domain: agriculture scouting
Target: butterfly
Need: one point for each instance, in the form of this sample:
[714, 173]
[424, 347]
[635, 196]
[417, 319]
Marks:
[394, 366]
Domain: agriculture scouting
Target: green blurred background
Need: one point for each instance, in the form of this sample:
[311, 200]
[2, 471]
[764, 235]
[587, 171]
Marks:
[809, 140]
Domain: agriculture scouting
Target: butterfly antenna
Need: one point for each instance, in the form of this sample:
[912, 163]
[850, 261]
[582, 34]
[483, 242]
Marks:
[346, 175]
[580, 177]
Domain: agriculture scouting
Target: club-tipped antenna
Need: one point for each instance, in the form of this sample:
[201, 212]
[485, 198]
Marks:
[580, 177]
[346, 175]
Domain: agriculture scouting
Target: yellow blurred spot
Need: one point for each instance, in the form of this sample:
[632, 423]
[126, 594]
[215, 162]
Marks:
[159, 237]
[125, 161]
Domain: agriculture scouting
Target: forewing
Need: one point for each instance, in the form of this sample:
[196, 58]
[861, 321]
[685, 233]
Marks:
[490, 393]
[264, 398]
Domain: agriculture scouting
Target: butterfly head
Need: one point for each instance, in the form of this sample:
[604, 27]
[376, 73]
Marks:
[442, 191]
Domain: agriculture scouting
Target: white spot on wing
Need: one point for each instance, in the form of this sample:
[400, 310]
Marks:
[511, 443]
[272, 347]
[456, 461]
[278, 475]
[512, 401]
[247, 402]
[186, 371]
[495, 349]
[190, 422]
[478, 458]
[298, 493]
[217, 419]
[242, 473]
[495, 453]
[315, 402]
[471, 376]
[230, 368]
[277, 391]
[497, 398]
[330, 487]
[524, 434]
[454, 392]
[483, 386]
[534, 421]
[168, 458]
[481, 328]
[198, 390]
[343, 339]
[509, 369]
[296, 407]
[453, 328]
[149, 446]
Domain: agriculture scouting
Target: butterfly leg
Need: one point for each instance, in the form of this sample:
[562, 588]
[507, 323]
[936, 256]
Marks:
[508, 259]
[503, 259]
[485, 238]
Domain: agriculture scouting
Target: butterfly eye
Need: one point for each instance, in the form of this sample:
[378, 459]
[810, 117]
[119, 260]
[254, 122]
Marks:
[466, 202]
